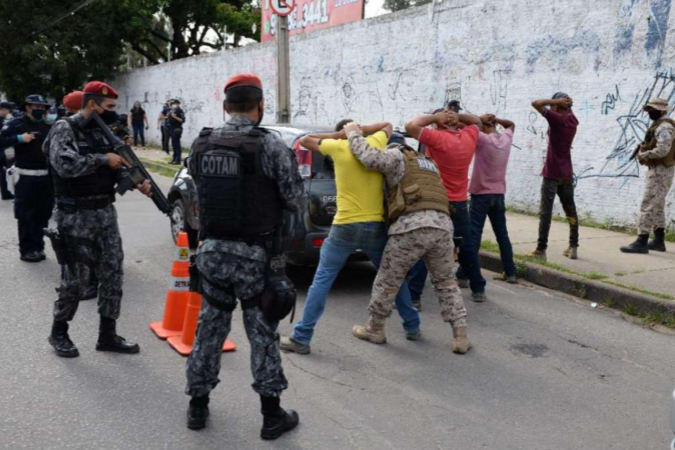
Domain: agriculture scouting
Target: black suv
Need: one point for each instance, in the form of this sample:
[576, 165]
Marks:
[305, 232]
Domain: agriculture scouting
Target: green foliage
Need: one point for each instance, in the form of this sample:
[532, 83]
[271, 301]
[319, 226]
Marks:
[44, 50]
[398, 5]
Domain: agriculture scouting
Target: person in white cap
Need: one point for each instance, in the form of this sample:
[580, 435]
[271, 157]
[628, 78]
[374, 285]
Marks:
[658, 153]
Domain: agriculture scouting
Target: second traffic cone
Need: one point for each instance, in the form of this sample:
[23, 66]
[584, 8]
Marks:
[178, 293]
[183, 343]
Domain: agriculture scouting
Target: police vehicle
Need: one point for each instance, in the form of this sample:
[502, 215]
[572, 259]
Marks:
[304, 232]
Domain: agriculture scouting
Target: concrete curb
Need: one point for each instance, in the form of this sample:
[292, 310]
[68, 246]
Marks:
[606, 294]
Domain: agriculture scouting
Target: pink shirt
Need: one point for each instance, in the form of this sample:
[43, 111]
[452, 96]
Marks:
[489, 166]
[452, 150]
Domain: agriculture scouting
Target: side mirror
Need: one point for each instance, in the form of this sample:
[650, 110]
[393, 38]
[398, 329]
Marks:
[186, 162]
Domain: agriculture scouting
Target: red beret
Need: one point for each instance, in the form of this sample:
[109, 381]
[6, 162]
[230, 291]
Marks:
[73, 101]
[100, 88]
[243, 79]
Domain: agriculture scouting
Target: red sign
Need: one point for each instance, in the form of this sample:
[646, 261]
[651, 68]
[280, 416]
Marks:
[282, 7]
[311, 15]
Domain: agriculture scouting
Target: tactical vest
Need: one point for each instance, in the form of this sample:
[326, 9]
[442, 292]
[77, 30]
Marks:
[102, 181]
[650, 144]
[236, 199]
[29, 155]
[420, 188]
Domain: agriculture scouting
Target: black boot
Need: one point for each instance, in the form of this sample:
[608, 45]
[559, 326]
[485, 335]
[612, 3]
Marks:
[109, 341]
[198, 412]
[658, 244]
[639, 246]
[276, 421]
[61, 342]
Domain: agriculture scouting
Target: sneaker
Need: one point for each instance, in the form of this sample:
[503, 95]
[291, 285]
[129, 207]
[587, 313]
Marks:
[288, 345]
[463, 283]
[539, 254]
[512, 279]
[413, 335]
[571, 252]
[33, 257]
[371, 331]
[478, 297]
[417, 303]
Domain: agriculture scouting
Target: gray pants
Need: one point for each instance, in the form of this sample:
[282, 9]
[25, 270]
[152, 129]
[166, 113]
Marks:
[93, 237]
[231, 277]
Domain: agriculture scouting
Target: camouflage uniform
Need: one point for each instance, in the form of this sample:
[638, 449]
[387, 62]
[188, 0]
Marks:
[419, 235]
[232, 270]
[93, 236]
[659, 181]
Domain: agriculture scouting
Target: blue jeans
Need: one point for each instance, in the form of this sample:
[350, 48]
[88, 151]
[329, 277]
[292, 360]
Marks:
[343, 240]
[139, 131]
[469, 267]
[492, 206]
[417, 278]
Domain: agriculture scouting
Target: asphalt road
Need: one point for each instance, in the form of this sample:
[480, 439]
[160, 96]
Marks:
[546, 372]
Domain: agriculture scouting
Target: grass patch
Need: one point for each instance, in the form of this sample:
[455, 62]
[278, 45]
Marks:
[588, 221]
[521, 272]
[661, 318]
[632, 287]
[160, 168]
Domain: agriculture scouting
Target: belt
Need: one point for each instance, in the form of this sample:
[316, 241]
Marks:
[71, 204]
[31, 173]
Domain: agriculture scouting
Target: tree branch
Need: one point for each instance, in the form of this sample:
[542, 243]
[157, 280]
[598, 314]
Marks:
[156, 48]
[140, 50]
[159, 35]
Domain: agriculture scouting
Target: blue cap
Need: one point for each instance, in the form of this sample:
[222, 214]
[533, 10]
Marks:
[35, 100]
[5, 105]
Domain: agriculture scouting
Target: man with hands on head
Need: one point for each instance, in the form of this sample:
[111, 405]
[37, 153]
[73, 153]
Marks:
[420, 229]
[84, 173]
[488, 187]
[358, 225]
[557, 173]
[452, 146]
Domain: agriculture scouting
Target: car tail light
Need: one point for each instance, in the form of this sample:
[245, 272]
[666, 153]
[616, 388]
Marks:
[317, 242]
[304, 158]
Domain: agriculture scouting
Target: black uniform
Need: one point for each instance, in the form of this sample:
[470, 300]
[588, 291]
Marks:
[176, 131]
[5, 163]
[34, 199]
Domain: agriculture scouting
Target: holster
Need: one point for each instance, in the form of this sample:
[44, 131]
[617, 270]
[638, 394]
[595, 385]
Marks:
[278, 299]
[60, 248]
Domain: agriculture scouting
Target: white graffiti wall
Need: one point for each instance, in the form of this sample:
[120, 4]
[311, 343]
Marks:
[609, 55]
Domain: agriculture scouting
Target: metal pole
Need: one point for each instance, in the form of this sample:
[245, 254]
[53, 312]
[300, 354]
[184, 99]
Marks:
[284, 72]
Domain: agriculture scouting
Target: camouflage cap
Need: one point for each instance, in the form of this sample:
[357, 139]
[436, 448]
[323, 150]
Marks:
[657, 104]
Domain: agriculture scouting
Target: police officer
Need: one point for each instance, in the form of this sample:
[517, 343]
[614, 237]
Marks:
[245, 176]
[85, 172]
[5, 119]
[73, 102]
[658, 153]
[34, 198]
[421, 228]
[176, 119]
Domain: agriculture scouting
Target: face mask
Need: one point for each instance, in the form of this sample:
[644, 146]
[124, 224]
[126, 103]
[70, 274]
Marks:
[655, 115]
[109, 117]
[51, 117]
[174, 107]
[38, 114]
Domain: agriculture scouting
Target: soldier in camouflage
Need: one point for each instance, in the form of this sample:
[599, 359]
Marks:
[658, 153]
[232, 259]
[421, 229]
[84, 172]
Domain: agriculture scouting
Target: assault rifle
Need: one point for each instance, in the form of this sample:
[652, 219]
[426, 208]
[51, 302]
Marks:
[137, 173]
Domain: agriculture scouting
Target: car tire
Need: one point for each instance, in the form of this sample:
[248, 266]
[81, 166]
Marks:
[180, 223]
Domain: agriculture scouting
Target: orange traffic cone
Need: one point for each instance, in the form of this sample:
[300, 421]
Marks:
[178, 293]
[183, 343]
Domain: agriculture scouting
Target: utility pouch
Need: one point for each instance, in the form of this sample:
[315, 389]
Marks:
[278, 299]
[60, 248]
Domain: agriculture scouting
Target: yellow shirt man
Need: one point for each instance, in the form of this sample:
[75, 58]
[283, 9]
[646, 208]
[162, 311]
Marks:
[359, 190]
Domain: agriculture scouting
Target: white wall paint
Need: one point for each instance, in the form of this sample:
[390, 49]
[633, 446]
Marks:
[609, 55]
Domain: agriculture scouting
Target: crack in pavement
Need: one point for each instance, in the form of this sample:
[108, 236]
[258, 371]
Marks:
[330, 380]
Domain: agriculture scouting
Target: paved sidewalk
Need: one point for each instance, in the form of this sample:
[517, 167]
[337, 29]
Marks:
[599, 254]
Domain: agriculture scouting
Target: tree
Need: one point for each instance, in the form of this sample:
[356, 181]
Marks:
[397, 5]
[187, 26]
[52, 48]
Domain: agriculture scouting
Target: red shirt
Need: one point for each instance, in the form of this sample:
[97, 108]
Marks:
[561, 132]
[453, 151]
